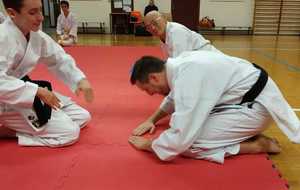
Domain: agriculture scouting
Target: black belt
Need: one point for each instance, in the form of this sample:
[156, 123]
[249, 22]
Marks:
[42, 110]
[257, 88]
[250, 95]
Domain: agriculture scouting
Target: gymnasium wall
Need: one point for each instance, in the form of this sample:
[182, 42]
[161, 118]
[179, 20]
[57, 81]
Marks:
[225, 12]
[98, 11]
[228, 13]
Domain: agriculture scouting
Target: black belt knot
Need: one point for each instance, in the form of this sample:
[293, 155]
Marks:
[42, 110]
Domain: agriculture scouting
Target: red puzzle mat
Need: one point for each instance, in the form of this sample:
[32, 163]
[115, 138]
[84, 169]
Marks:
[103, 159]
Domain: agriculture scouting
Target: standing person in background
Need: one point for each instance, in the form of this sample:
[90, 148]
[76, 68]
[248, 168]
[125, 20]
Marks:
[175, 38]
[2, 17]
[150, 7]
[31, 110]
[141, 29]
[66, 25]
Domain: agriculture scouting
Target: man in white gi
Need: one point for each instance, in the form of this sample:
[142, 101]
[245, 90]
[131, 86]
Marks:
[36, 115]
[66, 26]
[219, 106]
[2, 17]
[175, 38]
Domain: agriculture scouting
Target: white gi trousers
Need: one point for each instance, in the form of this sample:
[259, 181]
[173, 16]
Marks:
[61, 130]
[225, 130]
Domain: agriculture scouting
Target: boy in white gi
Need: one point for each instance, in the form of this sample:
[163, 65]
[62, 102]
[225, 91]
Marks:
[34, 114]
[66, 28]
[175, 38]
[219, 106]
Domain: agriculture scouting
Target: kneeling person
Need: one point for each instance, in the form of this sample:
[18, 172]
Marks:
[66, 26]
[219, 106]
[34, 114]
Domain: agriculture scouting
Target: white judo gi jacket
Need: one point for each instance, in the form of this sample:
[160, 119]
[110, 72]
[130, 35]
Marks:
[199, 82]
[19, 57]
[179, 39]
[67, 23]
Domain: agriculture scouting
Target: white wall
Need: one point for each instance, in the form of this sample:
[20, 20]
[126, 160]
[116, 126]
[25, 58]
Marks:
[230, 13]
[98, 11]
[164, 6]
[92, 11]
[225, 13]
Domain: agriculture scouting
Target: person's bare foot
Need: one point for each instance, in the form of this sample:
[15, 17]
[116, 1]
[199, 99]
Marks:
[260, 144]
[268, 145]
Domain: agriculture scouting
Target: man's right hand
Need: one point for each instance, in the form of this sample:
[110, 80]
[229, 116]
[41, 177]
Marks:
[48, 98]
[143, 128]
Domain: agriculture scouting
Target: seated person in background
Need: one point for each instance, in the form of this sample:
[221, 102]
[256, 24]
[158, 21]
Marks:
[66, 26]
[150, 7]
[219, 106]
[175, 38]
[2, 17]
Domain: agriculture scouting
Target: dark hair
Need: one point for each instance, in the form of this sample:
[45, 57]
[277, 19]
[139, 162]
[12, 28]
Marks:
[14, 4]
[65, 3]
[144, 66]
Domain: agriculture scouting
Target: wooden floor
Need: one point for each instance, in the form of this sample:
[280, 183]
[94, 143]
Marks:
[280, 56]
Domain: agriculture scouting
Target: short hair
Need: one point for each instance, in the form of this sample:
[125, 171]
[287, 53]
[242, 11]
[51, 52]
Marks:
[13, 4]
[65, 3]
[144, 66]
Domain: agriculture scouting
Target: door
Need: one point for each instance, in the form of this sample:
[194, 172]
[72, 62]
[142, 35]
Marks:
[186, 13]
[54, 11]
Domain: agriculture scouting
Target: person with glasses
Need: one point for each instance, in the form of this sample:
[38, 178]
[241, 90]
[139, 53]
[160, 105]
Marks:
[175, 38]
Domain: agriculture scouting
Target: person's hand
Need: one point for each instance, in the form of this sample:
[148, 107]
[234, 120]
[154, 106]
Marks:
[48, 98]
[141, 143]
[60, 42]
[143, 128]
[85, 87]
[65, 37]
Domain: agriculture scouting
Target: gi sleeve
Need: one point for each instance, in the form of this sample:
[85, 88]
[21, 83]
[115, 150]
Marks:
[73, 31]
[167, 104]
[60, 63]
